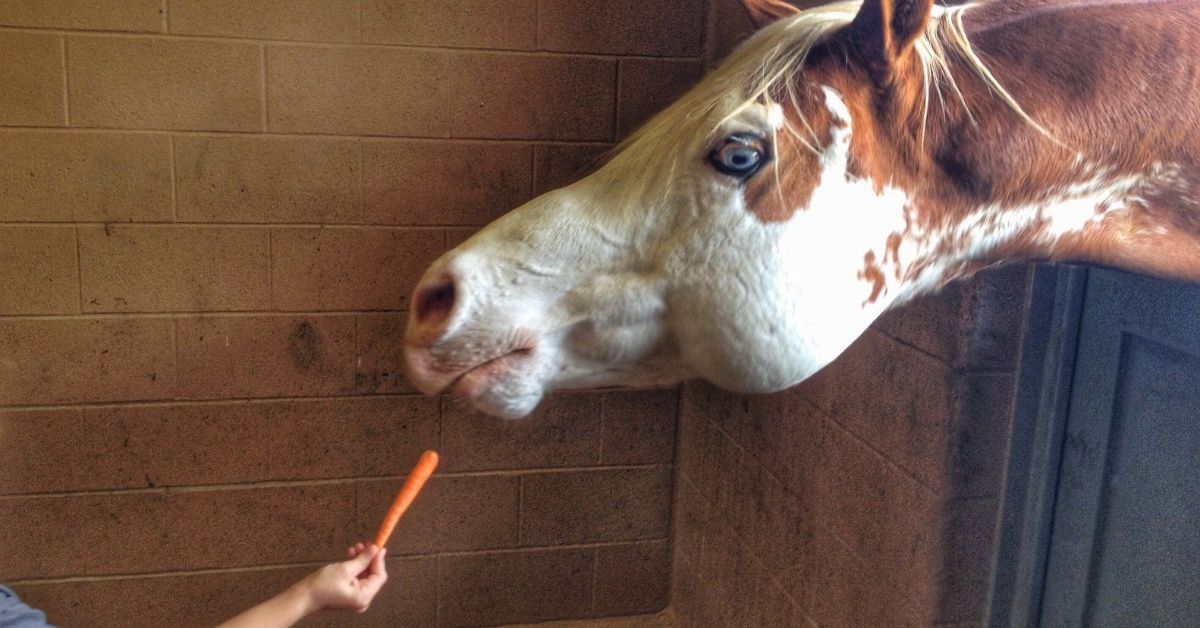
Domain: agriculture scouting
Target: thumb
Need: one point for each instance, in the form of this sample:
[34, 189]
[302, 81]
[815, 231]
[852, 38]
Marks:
[359, 563]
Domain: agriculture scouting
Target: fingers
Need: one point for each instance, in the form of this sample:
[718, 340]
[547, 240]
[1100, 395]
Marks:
[377, 566]
[359, 563]
[376, 577]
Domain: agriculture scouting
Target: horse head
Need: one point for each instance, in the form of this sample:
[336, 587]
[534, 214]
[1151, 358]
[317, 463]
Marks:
[754, 229]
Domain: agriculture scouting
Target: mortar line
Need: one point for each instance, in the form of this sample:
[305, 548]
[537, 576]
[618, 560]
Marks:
[166, 20]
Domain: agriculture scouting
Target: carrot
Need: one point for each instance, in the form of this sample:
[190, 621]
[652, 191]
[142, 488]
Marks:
[408, 492]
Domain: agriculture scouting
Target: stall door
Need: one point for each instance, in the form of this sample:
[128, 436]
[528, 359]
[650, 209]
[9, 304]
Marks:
[1124, 538]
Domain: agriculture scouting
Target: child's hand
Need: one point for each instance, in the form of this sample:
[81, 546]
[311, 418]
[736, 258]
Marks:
[348, 585]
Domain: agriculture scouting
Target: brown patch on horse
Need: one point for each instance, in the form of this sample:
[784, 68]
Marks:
[891, 254]
[1100, 78]
[786, 185]
[873, 274]
[1110, 90]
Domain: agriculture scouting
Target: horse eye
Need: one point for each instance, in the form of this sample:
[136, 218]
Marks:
[738, 155]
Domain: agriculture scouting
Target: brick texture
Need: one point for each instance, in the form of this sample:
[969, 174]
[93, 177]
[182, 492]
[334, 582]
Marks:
[164, 84]
[647, 86]
[558, 98]
[452, 23]
[364, 91]
[173, 531]
[496, 588]
[163, 269]
[224, 443]
[268, 180]
[44, 278]
[55, 361]
[639, 427]
[228, 357]
[51, 177]
[629, 578]
[212, 216]
[31, 72]
[595, 506]
[349, 269]
[457, 514]
[379, 365]
[307, 20]
[664, 28]
[128, 15]
[566, 428]
[444, 183]
[558, 165]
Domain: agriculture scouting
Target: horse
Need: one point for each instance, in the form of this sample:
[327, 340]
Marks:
[842, 161]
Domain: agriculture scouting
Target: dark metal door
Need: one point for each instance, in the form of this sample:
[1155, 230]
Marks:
[1125, 539]
[1103, 516]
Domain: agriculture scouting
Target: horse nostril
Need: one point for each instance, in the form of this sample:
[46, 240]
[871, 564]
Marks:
[433, 303]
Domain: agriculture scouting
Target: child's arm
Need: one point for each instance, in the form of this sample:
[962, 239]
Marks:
[14, 612]
[348, 585]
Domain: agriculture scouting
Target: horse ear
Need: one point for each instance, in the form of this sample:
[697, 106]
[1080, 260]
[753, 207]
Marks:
[885, 30]
[763, 12]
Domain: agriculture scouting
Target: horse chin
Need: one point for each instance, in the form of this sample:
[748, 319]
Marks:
[507, 387]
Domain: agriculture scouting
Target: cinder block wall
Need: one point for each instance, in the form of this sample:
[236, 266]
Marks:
[867, 496]
[211, 215]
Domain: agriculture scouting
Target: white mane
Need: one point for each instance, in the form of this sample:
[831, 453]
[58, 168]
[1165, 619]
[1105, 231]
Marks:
[765, 68]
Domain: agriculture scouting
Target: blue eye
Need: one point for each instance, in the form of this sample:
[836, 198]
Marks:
[738, 155]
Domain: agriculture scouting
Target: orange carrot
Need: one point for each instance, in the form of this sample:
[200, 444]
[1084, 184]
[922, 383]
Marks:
[408, 492]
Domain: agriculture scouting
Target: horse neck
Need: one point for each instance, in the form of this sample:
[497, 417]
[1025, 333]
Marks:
[1116, 180]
